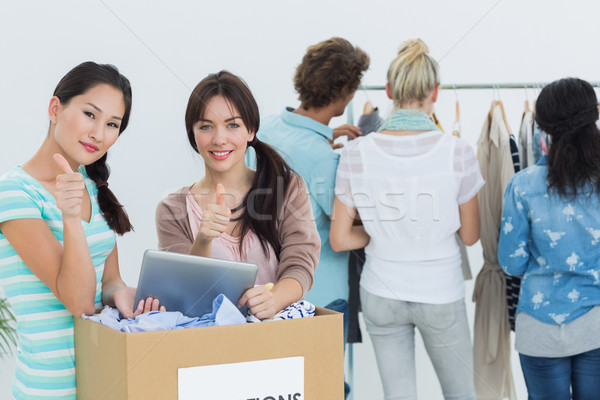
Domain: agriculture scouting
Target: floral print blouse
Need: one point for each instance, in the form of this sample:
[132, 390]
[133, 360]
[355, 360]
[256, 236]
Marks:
[554, 244]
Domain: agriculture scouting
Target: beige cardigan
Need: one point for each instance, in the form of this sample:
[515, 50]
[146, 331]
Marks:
[300, 242]
[491, 342]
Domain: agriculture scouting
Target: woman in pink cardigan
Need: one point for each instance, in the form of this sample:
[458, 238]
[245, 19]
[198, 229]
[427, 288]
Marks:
[263, 217]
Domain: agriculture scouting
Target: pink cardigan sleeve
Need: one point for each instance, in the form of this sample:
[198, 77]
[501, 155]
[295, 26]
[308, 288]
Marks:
[172, 224]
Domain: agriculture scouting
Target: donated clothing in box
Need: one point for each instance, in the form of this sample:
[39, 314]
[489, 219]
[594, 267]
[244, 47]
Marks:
[297, 359]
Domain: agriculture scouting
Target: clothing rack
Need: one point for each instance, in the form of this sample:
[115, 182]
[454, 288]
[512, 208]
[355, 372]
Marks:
[465, 86]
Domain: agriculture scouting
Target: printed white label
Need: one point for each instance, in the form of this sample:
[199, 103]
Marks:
[276, 379]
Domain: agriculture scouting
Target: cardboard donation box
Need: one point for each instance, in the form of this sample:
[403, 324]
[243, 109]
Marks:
[300, 359]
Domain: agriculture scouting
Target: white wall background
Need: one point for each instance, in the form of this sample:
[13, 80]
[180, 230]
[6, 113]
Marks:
[165, 48]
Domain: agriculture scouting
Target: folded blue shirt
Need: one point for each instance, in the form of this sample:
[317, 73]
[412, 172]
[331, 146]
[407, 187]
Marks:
[224, 312]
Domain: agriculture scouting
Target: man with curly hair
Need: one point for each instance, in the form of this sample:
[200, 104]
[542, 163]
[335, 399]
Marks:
[326, 81]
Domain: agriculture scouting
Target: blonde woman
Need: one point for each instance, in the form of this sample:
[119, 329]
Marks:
[414, 188]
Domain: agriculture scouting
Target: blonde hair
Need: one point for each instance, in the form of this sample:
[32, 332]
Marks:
[413, 74]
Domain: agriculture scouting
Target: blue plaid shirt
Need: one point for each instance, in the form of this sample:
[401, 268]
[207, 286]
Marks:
[554, 243]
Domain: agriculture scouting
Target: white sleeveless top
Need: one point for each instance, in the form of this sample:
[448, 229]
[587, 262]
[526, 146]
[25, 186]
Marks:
[407, 190]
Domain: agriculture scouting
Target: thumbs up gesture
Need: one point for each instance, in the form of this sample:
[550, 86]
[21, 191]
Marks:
[215, 217]
[69, 189]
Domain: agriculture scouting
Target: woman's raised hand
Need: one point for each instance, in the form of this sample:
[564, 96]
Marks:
[215, 217]
[70, 187]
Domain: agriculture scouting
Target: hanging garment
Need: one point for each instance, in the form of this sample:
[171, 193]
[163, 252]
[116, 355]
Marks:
[540, 143]
[355, 267]
[491, 344]
[513, 283]
[456, 129]
[371, 122]
[528, 154]
[465, 264]
[526, 140]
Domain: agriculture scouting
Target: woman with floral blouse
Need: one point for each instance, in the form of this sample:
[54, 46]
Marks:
[550, 236]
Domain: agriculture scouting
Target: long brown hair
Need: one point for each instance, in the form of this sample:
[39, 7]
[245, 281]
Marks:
[262, 204]
[76, 82]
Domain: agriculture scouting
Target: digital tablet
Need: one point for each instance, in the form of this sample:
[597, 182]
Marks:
[189, 284]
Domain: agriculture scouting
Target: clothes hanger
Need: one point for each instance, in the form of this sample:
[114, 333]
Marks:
[504, 117]
[503, 113]
[456, 127]
[494, 101]
[501, 104]
[527, 109]
[536, 91]
[436, 121]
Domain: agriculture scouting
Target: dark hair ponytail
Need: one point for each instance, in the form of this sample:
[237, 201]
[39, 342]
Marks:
[264, 201]
[567, 110]
[76, 82]
[113, 210]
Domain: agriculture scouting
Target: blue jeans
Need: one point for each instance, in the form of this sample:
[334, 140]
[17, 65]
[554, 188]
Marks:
[341, 306]
[555, 378]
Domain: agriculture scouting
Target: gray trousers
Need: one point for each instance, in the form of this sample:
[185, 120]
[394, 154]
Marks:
[445, 332]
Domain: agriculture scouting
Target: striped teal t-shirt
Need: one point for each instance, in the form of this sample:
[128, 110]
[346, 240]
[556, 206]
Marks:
[45, 365]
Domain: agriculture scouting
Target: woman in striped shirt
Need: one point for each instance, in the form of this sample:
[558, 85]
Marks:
[58, 220]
